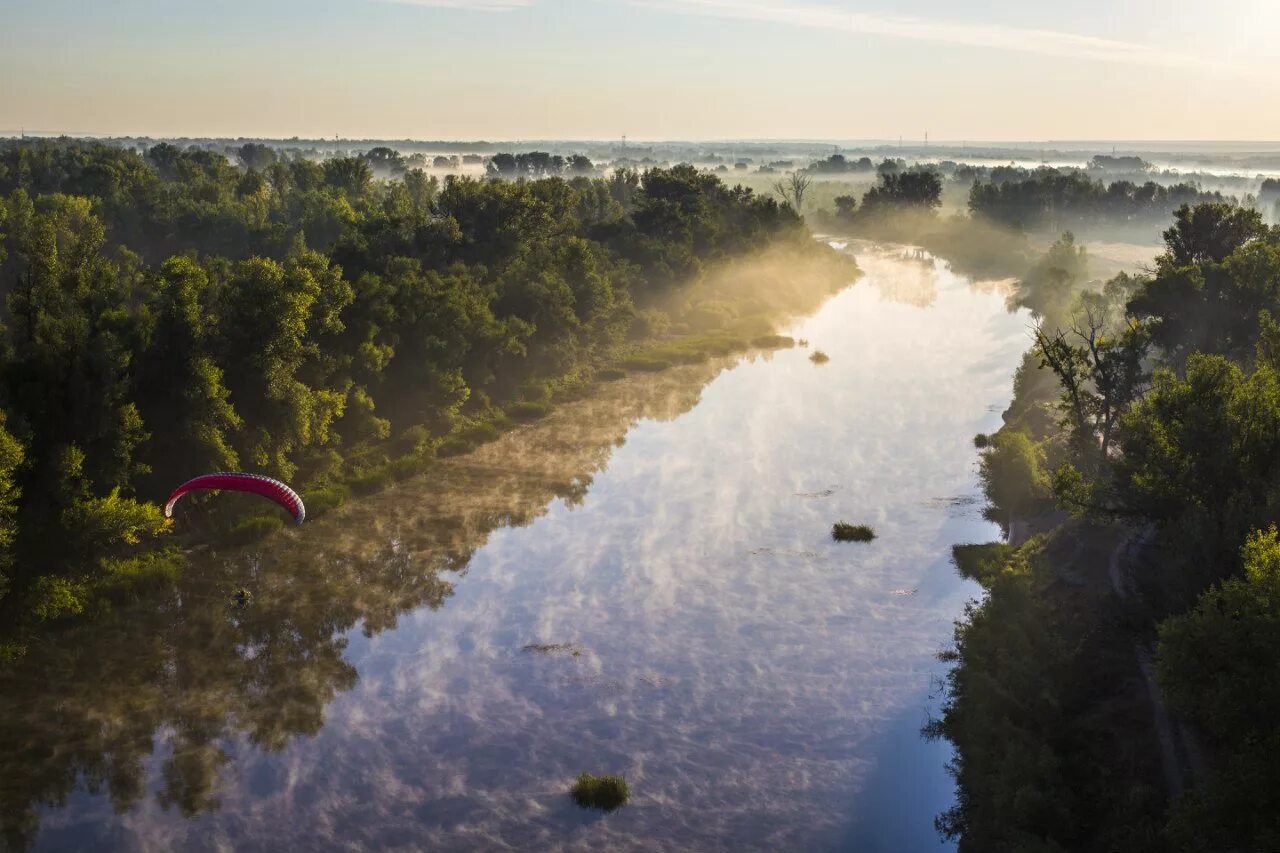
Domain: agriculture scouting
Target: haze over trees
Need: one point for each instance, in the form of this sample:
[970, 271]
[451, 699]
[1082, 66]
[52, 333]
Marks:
[173, 313]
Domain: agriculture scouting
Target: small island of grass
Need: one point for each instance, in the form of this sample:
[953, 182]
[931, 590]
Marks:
[606, 793]
[819, 357]
[843, 532]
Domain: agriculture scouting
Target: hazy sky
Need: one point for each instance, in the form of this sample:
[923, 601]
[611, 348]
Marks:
[652, 69]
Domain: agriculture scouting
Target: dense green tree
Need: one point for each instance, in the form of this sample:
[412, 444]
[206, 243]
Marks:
[1218, 665]
[916, 189]
[174, 312]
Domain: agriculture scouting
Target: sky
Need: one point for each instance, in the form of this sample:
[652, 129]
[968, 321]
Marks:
[968, 70]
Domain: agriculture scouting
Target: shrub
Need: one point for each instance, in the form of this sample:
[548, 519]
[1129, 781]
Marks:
[320, 501]
[819, 357]
[607, 793]
[454, 445]
[646, 363]
[53, 598]
[132, 576]
[253, 529]
[981, 562]
[843, 532]
[528, 410]
[773, 342]
[371, 480]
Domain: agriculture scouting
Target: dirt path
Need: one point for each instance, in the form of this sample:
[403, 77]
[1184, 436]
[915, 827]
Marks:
[1179, 751]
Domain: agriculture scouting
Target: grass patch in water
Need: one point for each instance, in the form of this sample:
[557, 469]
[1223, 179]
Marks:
[606, 793]
[553, 649]
[844, 532]
[819, 357]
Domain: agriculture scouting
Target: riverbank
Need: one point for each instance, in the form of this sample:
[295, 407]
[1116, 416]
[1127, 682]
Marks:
[1057, 724]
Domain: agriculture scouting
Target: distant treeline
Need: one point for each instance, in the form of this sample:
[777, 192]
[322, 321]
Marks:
[1064, 200]
[171, 313]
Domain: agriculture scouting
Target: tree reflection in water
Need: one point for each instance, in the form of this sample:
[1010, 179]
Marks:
[180, 676]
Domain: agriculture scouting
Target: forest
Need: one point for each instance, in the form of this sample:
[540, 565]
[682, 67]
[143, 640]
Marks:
[335, 323]
[1145, 435]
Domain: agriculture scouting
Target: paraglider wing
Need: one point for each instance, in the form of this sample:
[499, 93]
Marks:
[255, 484]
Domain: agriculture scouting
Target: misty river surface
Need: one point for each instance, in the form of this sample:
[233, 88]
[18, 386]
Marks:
[665, 544]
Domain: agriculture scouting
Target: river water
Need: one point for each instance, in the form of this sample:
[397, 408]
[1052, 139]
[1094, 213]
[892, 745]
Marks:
[664, 546]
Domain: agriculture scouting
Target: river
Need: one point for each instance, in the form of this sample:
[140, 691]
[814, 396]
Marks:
[642, 583]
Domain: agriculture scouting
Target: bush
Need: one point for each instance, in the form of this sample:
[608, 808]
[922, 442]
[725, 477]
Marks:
[607, 793]
[134, 576]
[842, 532]
[819, 357]
[54, 597]
[320, 501]
[454, 445]
[371, 480]
[528, 410]
[254, 529]
[981, 562]
[646, 363]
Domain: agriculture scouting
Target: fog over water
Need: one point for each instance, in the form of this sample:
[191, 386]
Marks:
[759, 685]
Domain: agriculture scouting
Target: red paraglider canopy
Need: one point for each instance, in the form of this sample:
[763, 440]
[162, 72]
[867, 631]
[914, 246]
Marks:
[256, 484]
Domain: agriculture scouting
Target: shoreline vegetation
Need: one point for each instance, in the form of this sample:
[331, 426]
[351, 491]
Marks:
[308, 321]
[1135, 480]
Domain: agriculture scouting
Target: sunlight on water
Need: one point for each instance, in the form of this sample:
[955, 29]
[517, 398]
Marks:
[666, 546]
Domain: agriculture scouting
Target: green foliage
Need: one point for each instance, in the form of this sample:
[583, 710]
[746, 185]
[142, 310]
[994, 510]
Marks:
[920, 189]
[844, 532]
[607, 793]
[1049, 288]
[113, 520]
[646, 363]
[1013, 475]
[254, 529]
[1220, 270]
[528, 410]
[321, 501]
[983, 562]
[1048, 756]
[773, 342]
[54, 598]
[173, 312]
[1202, 454]
[1218, 667]
[1052, 199]
[141, 574]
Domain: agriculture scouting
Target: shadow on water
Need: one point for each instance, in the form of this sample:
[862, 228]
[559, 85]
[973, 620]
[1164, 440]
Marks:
[905, 783]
